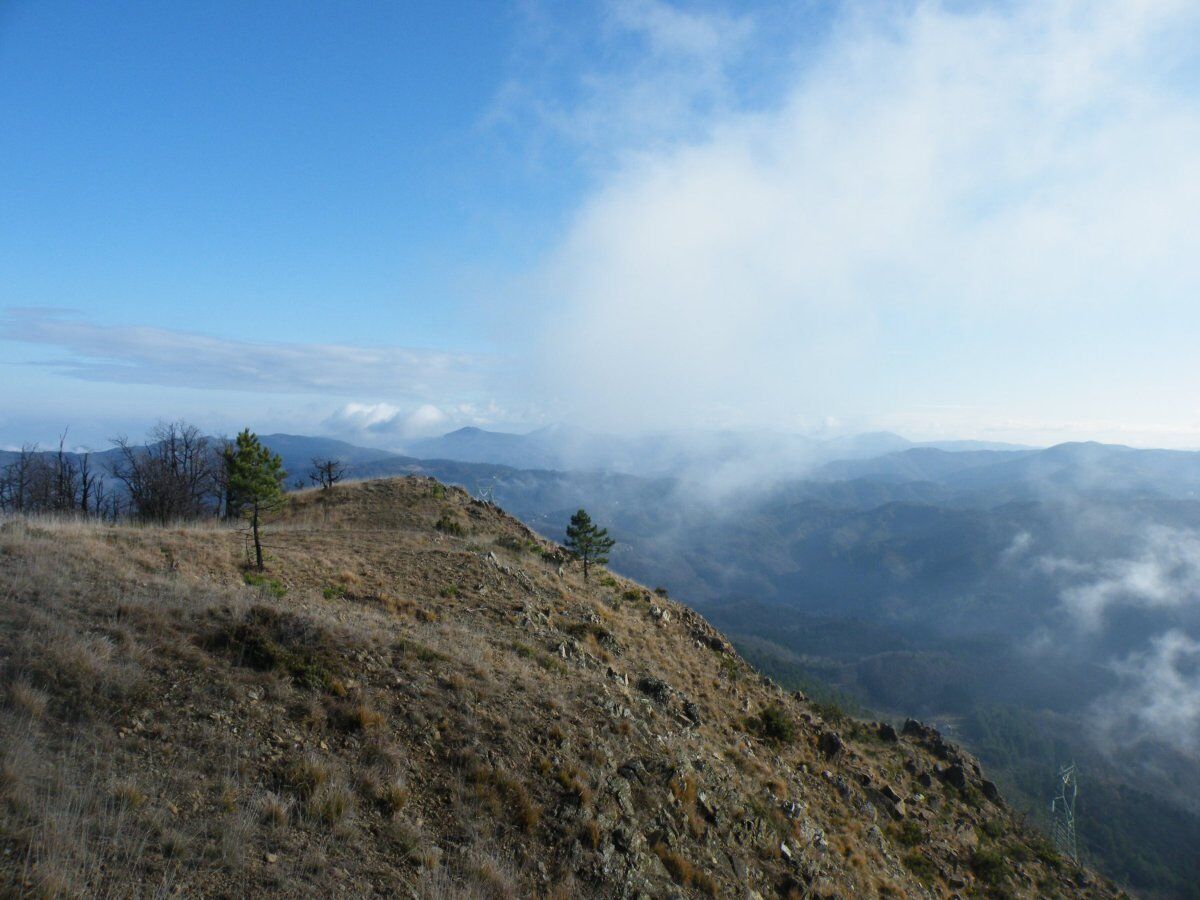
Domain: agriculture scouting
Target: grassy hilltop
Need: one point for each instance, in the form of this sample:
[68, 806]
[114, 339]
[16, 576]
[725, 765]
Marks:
[418, 698]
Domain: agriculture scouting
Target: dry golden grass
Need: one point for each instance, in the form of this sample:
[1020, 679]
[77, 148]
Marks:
[351, 725]
[684, 872]
[26, 698]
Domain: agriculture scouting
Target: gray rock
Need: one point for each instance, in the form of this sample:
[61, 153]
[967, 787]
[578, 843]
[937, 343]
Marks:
[624, 796]
[792, 809]
[655, 688]
[956, 776]
[737, 865]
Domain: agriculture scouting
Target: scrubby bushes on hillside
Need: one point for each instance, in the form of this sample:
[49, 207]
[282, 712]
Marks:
[773, 724]
[268, 639]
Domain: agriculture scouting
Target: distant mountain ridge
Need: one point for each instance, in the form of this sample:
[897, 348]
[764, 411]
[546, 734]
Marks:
[668, 453]
[298, 451]
[1076, 466]
[866, 470]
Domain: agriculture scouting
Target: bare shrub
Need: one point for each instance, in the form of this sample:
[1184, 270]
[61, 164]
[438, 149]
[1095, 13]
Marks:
[174, 476]
[237, 832]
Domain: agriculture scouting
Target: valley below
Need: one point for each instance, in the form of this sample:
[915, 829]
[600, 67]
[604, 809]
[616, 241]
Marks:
[1041, 606]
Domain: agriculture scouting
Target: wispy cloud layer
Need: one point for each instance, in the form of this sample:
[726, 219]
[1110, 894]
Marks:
[634, 74]
[1163, 572]
[156, 356]
[1157, 660]
[1159, 696]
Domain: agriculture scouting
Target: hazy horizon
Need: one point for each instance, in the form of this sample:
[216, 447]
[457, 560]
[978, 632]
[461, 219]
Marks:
[385, 439]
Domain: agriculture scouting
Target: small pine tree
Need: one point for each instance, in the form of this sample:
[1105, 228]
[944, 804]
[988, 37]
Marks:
[586, 542]
[255, 482]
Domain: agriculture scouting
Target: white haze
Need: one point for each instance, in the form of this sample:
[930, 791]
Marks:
[972, 222]
[1163, 573]
[1158, 694]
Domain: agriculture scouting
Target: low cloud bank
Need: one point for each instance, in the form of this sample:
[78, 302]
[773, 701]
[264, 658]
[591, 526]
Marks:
[1159, 697]
[386, 419]
[1164, 572]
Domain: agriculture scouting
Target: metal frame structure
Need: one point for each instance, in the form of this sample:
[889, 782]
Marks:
[1062, 809]
[487, 494]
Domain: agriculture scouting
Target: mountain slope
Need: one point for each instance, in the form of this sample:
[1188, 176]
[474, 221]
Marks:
[414, 700]
[298, 451]
[839, 576]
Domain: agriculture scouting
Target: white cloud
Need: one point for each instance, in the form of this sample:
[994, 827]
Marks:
[375, 419]
[363, 416]
[388, 422]
[1163, 573]
[1021, 545]
[941, 209]
[1159, 697]
[426, 419]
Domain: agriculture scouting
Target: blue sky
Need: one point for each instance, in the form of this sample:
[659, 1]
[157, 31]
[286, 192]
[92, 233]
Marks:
[256, 163]
[383, 220]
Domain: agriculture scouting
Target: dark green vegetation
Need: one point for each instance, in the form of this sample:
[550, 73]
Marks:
[773, 724]
[254, 483]
[1144, 839]
[587, 542]
[268, 640]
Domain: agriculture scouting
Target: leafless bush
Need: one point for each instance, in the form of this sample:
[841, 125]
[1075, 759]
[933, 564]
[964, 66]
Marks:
[237, 832]
[326, 472]
[175, 476]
